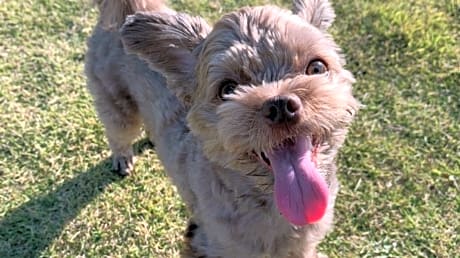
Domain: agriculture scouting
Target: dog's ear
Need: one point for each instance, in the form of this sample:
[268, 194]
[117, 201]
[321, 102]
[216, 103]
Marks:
[167, 42]
[319, 13]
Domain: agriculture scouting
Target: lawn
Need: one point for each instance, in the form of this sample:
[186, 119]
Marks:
[399, 169]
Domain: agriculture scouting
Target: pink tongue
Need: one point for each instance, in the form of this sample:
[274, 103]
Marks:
[301, 193]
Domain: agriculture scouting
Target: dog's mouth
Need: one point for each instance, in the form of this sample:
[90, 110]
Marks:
[301, 192]
[262, 157]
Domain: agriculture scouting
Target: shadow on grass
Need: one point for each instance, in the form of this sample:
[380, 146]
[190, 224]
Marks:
[29, 229]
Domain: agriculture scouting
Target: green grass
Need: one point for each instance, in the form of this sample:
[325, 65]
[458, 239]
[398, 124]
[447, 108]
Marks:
[399, 170]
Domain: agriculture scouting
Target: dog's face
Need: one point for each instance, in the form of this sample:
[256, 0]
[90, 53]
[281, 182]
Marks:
[267, 92]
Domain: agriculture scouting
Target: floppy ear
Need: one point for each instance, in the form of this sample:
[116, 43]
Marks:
[167, 42]
[319, 13]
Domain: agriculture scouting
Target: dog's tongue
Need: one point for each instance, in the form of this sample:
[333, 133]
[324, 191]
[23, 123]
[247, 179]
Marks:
[301, 193]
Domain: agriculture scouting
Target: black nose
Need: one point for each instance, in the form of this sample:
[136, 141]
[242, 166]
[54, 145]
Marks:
[282, 109]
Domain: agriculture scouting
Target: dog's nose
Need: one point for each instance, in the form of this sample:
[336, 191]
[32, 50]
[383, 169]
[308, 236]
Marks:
[282, 109]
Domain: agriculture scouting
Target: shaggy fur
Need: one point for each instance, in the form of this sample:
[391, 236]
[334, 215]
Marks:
[213, 146]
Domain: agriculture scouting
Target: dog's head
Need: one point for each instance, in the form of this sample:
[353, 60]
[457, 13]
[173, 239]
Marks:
[266, 90]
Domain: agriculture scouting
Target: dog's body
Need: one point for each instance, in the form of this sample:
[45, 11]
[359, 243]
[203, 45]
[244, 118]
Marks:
[212, 138]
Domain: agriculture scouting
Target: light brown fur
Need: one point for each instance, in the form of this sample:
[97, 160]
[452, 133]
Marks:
[113, 13]
[207, 145]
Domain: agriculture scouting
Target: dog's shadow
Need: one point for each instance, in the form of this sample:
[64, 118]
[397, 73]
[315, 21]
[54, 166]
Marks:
[29, 229]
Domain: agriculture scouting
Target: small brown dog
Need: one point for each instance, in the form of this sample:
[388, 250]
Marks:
[247, 117]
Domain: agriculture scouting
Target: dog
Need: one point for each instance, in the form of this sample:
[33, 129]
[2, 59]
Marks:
[247, 117]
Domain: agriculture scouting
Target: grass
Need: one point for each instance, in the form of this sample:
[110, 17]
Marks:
[400, 168]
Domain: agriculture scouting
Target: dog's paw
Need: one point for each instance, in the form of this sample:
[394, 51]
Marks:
[190, 231]
[189, 250]
[123, 165]
[320, 255]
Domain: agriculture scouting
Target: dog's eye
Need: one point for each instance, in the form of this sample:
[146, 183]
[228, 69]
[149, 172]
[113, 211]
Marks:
[227, 87]
[316, 67]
